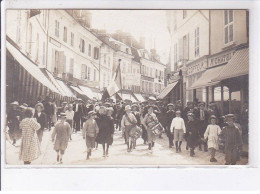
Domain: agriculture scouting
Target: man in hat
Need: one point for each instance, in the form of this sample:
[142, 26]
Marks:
[178, 129]
[61, 135]
[213, 110]
[41, 119]
[128, 122]
[202, 116]
[78, 114]
[170, 115]
[193, 136]
[233, 140]
[13, 117]
[186, 110]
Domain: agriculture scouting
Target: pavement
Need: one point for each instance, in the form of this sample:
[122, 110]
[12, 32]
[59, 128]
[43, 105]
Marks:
[75, 154]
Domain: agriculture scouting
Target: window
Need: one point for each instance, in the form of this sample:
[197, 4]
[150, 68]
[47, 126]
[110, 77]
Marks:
[57, 28]
[124, 68]
[95, 72]
[186, 47]
[108, 61]
[197, 38]
[64, 64]
[129, 68]
[96, 52]
[175, 55]
[56, 62]
[184, 14]
[43, 53]
[82, 45]
[18, 32]
[72, 39]
[83, 71]
[151, 72]
[156, 73]
[228, 27]
[105, 58]
[71, 66]
[30, 39]
[37, 48]
[89, 72]
[89, 50]
[65, 34]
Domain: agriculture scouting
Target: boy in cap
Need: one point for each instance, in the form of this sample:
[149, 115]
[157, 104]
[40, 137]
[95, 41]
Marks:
[61, 135]
[178, 129]
[233, 140]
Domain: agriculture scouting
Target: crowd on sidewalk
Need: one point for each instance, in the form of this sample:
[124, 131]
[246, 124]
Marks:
[195, 124]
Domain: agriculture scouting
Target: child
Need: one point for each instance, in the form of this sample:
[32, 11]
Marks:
[70, 116]
[212, 132]
[89, 132]
[233, 140]
[61, 134]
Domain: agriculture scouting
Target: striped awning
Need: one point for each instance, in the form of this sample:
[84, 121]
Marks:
[31, 68]
[65, 88]
[87, 92]
[167, 90]
[207, 77]
[139, 97]
[237, 66]
[77, 90]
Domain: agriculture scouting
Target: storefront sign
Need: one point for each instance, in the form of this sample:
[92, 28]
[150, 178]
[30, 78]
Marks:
[197, 67]
[220, 59]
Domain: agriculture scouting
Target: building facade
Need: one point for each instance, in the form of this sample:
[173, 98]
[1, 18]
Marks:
[203, 43]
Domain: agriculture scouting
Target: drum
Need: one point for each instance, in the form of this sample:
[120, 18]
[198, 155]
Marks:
[157, 129]
[135, 132]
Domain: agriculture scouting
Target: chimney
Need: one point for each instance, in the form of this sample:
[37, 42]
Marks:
[142, 42]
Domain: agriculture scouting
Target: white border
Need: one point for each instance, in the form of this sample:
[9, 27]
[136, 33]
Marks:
[201, 177]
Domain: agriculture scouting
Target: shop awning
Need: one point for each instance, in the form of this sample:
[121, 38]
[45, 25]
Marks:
[237, 66]
[207, 77]
[78, 90]
[97, 95]
[127, 97]
[65, 88]
[87, 92]
[167, 90]
[139, 97]
[54, 82]
[31, 68]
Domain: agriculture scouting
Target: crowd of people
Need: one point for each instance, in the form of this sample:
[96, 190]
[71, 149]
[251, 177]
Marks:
[197, 125]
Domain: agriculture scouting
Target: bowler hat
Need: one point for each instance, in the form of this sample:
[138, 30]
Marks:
[232, 116]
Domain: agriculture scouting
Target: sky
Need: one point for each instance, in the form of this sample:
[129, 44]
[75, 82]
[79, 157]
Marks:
[151, 24]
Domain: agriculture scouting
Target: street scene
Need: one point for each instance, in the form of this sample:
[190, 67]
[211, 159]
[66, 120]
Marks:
[126, 87]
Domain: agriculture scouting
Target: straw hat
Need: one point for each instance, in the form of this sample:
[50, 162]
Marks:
[39, 104]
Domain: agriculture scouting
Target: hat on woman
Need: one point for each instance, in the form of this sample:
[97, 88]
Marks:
[110, 109]
[92, 113]
[15, 103]
[39, 104]
[127, 107]
[24, 106]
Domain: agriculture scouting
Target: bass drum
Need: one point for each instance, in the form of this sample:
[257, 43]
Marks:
[135, 132]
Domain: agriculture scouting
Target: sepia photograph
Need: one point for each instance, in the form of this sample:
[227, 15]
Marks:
[125, 87]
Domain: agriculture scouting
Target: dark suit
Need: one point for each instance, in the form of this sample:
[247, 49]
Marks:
[78, 116]
[42, 120]
[203, 117]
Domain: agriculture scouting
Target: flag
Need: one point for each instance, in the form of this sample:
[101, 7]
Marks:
[116, 84]
[105, 95]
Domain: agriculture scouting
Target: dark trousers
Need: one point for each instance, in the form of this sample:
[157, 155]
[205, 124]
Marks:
[231, 156]
[77, 123]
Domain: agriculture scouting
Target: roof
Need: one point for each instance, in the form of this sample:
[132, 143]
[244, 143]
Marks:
[207, 77]
[237, 66]
[167, 90]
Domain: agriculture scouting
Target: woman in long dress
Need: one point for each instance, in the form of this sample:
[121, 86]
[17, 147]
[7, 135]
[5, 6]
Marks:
[30, 146]
[149, 121]
[106, 130]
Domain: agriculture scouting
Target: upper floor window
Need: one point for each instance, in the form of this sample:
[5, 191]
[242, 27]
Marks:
[197, 38]
[184, 14]
[228, 25]
[57, 28]
[108, 61]
[82, 45]
[96, 52]
[72, 39]
[18, 32]
[65, 34]
[95, 74]
[71, 66]
[30, 39]
[89, 50]
[43, 53]
[105, 58]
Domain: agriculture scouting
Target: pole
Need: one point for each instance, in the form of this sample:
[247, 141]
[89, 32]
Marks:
[119, 62]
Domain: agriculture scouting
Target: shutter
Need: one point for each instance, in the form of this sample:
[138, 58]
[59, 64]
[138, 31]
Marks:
[53, 60]
[83, 71]
[61, 62]
[64, 64]
[180, 42]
